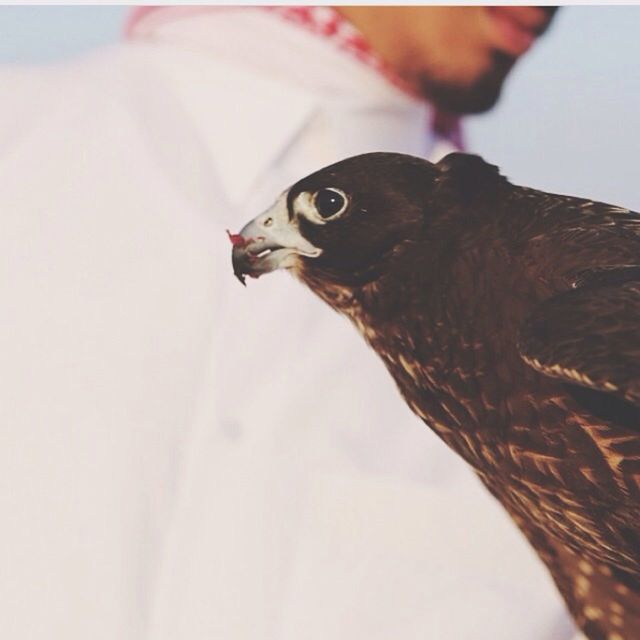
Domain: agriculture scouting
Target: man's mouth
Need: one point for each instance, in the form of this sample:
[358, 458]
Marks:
[513, 29]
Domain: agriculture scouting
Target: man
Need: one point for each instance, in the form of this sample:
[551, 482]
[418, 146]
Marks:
[181, 458]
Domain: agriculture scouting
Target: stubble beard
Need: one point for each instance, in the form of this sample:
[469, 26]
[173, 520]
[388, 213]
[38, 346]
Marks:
[478, 96]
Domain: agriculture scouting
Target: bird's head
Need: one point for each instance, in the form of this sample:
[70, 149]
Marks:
[354, 221]
[341, 225]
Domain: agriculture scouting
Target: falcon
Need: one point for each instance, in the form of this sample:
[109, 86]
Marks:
[510, 321]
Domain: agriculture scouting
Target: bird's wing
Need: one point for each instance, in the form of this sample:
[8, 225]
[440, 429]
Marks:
[590, 337]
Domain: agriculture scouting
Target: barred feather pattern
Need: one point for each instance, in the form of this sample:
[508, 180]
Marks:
[508, 318]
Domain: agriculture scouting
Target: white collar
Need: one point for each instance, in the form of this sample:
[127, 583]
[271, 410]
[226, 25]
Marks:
[219, 66]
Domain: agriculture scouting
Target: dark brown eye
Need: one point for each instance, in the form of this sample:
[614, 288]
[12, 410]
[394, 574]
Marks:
[330, 202]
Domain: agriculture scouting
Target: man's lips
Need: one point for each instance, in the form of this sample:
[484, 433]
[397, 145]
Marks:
[514, 29]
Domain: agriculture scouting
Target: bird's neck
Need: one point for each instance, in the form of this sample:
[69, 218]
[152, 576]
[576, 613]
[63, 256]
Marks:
[450, 344]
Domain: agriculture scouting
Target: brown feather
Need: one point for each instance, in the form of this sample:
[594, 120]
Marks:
[502, 312]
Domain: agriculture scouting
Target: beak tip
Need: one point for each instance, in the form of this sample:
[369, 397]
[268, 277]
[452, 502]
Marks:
[241, 277]
[238, 263]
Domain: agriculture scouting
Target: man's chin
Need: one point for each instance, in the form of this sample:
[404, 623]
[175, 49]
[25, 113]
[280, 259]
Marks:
[463, 101]
[477, 97]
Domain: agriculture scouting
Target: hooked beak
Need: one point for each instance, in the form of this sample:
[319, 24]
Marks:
[269, 242]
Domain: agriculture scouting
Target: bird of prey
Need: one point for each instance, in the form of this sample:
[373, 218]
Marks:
[510, 320]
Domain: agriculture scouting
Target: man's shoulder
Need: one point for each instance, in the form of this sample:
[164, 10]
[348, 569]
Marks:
[53, 94]
[100, 132]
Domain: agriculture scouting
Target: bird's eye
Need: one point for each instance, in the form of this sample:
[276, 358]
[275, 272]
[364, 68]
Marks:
[330, 202]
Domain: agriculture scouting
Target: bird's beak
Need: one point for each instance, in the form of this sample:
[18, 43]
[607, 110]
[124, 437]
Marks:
[269, 242]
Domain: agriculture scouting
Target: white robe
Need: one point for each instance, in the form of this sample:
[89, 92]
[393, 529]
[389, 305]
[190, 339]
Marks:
[184, 459]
